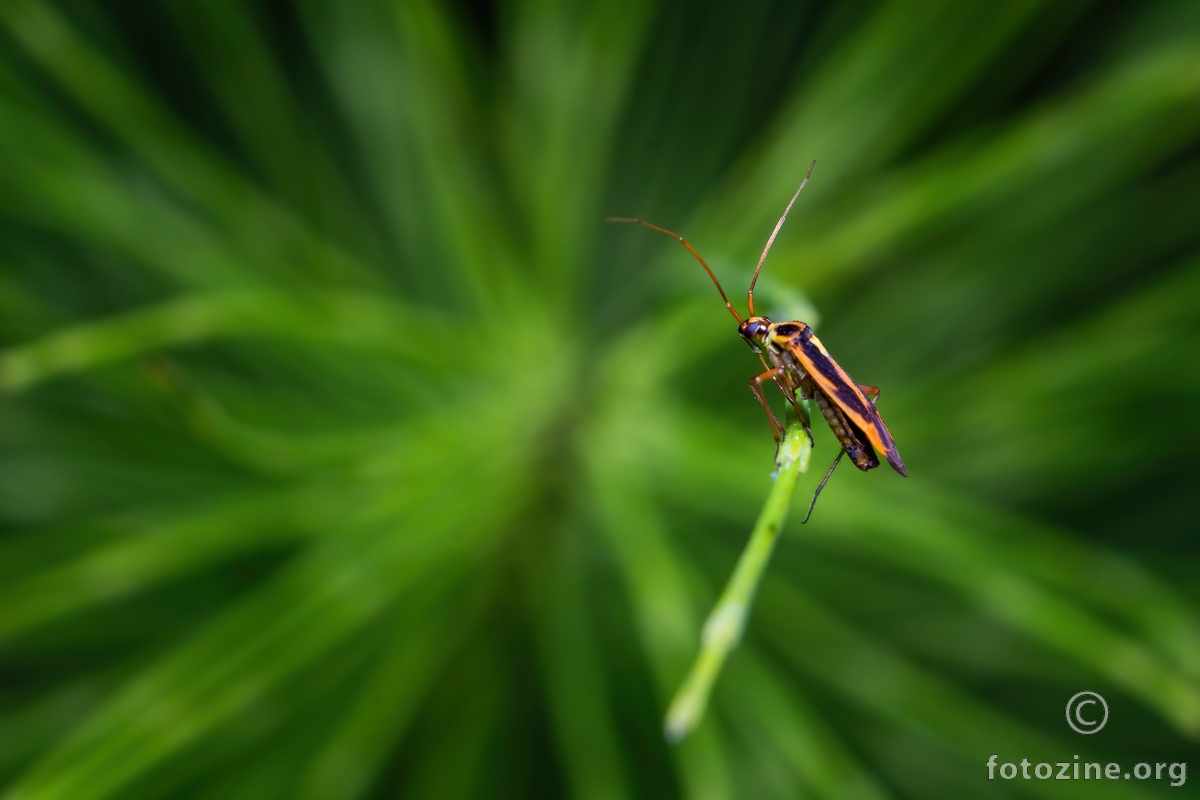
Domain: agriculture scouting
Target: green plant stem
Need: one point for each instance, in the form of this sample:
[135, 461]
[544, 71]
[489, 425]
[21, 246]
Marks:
[723, 629]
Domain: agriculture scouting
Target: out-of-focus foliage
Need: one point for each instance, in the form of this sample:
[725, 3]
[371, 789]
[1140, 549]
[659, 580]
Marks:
[346, 453]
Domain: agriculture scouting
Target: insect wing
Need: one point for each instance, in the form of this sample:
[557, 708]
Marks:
[837, 386]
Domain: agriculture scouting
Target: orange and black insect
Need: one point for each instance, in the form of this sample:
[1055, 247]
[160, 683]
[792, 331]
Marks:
[800, 363]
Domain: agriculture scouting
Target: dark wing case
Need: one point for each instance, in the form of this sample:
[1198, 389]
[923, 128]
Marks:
[841, 390]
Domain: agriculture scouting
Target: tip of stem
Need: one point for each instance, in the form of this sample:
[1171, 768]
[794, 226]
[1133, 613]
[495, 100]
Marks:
[687, 708]
[679, 724]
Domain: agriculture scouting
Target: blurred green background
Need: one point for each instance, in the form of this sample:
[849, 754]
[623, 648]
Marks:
[347, 453]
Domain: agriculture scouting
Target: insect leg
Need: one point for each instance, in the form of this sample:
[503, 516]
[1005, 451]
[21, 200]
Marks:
[803, 415]
[806, 394]
[824, 480]
[788, 388]
[871, 392]
[756, 387]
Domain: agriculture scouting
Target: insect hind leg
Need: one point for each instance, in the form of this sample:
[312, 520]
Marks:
[813, 503]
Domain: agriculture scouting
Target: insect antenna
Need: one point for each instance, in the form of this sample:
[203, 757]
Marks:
[824, 480]
[771, 241]
[691, 250]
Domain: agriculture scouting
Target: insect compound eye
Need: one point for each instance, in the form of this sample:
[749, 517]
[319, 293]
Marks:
[753, 329]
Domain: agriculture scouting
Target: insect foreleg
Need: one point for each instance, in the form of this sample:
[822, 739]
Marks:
[756, 387]
[871, 392]
[824, 480]
[787, 387]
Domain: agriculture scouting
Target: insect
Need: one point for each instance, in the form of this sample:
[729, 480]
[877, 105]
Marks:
[799, 363]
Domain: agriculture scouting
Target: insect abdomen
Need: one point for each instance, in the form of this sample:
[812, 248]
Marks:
[853, 440]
